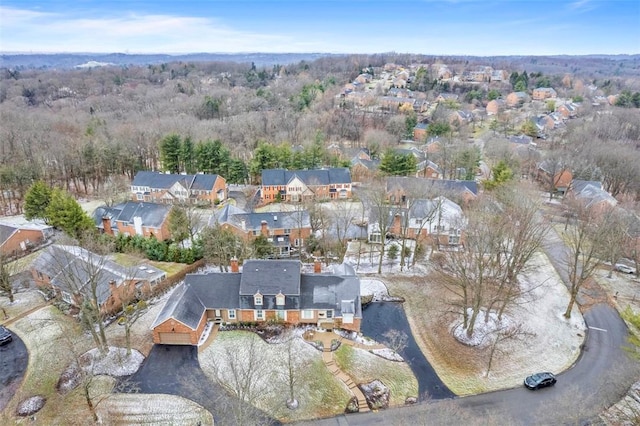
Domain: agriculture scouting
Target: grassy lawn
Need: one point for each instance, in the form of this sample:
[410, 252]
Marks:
[128, 260]
[170, 268]
[22, 264]
[365, 367]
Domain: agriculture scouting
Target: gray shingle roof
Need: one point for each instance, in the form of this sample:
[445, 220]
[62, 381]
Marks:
[214, 290]
[272, 177]
[165, 181]
[270, 277]
[74, 269]
[151, 214]
[5, 232]
[442, 185]
[252, 221]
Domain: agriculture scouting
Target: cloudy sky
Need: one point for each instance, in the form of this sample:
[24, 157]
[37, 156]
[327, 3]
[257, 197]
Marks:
[473, 27]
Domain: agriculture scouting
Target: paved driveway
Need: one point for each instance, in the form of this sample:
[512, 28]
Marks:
[13, 364]
[175, 370]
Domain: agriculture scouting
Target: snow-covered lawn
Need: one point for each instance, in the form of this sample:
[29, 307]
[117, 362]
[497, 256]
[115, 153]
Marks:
[552, 342]
[318, 392]
[116, 362]
[152, 409]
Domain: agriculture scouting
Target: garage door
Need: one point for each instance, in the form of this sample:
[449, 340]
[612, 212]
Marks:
[175, 338]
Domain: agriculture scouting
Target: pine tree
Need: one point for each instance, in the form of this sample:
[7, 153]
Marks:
[36, 200]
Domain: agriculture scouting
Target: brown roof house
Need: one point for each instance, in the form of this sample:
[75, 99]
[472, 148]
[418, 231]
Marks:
[171, 188]
[495, 106]
[134, 218]
[591, 195]
[265, 290]
[74, 273]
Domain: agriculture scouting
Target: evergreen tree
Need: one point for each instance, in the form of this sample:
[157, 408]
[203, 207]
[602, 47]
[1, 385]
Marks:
[187, 156]
[170, 148]
[64, 212]
[36, 201]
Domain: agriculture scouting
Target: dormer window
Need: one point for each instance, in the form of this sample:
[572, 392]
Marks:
[257, 299]
[280, 299]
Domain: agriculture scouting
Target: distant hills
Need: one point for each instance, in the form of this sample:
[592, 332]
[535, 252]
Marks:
[73, 60]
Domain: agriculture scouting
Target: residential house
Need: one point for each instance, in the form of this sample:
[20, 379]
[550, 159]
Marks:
[302, 185]
[429, 169]
[393, 103]
[265, 290]
[134, 218]
[517, 99]
[554, 176]
[542, 93]
[400, 188]
[443, 97]
[461, 117]
[363, 169]
[520, 140]
[74, 273]
[495, 106]
[499, 75]
[171, 188]
[286, 230]
[591, 195]
[439, 222]
[420, 132]
[567, 110]
[16, 240]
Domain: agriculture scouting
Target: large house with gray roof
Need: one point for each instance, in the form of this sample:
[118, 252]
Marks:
[74, 273]
[173, 188]
[286, 230]
[265, 290]
[134, 218]
[400, 188]
[303, 185]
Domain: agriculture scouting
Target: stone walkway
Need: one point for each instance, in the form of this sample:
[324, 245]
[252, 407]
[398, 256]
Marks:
[327, 338]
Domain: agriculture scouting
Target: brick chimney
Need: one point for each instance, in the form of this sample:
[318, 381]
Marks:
[317, 266]
[263, 228]
[106, 225]
[234, 265]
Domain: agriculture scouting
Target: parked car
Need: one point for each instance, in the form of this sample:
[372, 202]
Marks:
[540, 380]
[621, 267]
[5, 335]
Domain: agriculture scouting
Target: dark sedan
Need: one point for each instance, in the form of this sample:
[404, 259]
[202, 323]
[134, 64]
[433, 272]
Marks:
[5, 335]
[540, 380]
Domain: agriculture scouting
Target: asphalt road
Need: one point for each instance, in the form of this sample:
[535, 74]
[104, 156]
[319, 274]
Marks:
[13, 364]
[597, 380]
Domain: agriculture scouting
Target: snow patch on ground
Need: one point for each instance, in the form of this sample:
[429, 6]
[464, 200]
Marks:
[115, 362]
[388, 354]
[484, 330]
[356, 337]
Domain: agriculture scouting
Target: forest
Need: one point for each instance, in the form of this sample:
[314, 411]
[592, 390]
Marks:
[89, 130]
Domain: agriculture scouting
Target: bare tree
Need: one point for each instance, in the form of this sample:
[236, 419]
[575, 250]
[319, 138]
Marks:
[503, 334]
[381, 214]
[583, 239]
[396, 340]
[6, 287]
[130, 314]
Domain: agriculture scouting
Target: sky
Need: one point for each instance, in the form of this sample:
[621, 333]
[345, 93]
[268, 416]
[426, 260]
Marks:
[430, 27]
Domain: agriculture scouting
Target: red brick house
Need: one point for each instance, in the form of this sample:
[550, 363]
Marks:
[286, 230]
[71, 272]
[542, 93]
[301, 185]
[265, 290]
[17, 240]
[555, 176]
[171, 188]
[134, 218]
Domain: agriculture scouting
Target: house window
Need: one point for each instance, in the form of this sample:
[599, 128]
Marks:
[307, 314]
[287, 231]
[281, 315]
[280, 299]
[139, 197]
[256, 233]
[298, 242]
[232, 314]
[259, 315]
[257, 299]
[329, 314]
[454, 240]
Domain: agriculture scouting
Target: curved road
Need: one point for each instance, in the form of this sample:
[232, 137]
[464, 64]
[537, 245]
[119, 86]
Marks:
[600, 377]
